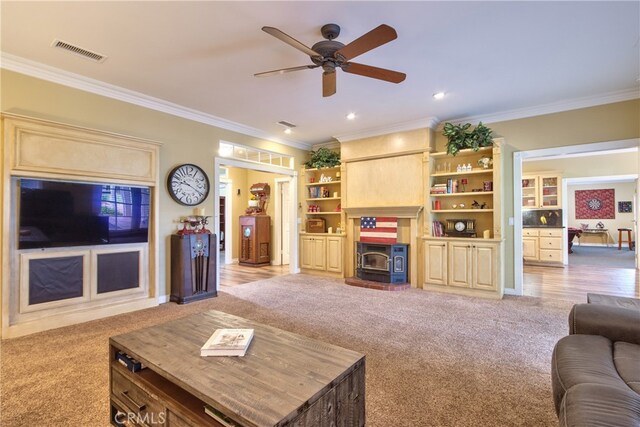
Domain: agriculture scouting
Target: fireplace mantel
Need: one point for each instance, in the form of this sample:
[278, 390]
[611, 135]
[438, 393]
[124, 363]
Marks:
[394, 211]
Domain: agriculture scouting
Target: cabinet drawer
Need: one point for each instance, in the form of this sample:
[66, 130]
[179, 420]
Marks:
[550, 243]
[550, 255]
[142, 408]
[529, 232]
[551, 232]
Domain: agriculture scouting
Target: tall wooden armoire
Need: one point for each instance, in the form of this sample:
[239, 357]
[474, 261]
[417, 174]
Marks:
[255, 240]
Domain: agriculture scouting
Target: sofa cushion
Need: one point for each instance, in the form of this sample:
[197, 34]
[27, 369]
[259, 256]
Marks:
[626, 358]
[581, 359]
[591, 405]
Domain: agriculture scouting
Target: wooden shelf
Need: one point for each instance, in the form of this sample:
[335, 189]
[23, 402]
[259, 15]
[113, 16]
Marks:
[471, 172]
[460, 210]
[324, 198]
[323, 213]
[468, 193]
[321, 183]
[323, 169]
[463, 153]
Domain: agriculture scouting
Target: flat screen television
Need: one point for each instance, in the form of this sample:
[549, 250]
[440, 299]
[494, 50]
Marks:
[63, 213]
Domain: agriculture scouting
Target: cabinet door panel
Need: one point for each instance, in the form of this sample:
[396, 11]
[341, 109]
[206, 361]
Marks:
[319, 253]
[484, 267]
[435, 262]
[530, 248]
[334, 254]
[459, 264]
[306, 252]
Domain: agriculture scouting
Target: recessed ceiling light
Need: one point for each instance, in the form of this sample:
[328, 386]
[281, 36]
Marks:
[351, 116]
[438, 95]
[287, 131]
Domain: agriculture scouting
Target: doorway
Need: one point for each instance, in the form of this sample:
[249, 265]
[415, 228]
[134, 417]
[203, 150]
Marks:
[239, 191]
[567, 281]
[282, 221]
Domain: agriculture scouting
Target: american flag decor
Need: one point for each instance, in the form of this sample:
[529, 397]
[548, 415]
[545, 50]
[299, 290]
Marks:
[378, 229]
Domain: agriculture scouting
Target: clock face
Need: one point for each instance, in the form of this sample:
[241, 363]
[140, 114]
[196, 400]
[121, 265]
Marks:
[459, 226]
[247, 232]
[188, 184]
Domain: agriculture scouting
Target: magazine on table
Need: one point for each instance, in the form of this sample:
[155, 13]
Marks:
[227, 342]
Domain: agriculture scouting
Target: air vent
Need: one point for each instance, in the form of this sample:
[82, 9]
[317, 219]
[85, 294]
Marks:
[93, 56]
[286, 124]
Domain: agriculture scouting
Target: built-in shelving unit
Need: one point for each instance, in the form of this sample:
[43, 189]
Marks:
[323, 194]
[321, 251]
[468, 193]
[462, 232]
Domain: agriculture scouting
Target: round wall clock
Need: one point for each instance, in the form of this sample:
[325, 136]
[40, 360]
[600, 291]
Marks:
[188, 184]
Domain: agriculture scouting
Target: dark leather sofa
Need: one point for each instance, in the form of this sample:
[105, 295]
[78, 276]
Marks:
[596, 369]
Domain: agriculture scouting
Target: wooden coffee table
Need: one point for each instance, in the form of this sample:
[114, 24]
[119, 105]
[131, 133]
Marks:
[284, 379]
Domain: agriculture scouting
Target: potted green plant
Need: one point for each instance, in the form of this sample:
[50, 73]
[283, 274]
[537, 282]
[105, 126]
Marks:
[323, 158]
[460, 137]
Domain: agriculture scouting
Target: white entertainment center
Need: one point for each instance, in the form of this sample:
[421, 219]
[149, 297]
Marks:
[47, 287]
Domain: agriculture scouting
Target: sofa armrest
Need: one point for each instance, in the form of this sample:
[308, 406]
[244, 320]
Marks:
[615, 323]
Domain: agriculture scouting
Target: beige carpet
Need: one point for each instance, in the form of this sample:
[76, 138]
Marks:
[432, 359]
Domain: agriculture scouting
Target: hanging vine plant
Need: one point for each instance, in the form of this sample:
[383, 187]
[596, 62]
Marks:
[323, 158]
[460, 137]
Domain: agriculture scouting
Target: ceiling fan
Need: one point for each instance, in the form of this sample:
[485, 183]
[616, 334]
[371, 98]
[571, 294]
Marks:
[331, 54]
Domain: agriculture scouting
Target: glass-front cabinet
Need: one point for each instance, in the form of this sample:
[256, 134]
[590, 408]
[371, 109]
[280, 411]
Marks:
[541, 191]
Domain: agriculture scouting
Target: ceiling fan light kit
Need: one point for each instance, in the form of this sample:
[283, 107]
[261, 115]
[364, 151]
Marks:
[330, 55]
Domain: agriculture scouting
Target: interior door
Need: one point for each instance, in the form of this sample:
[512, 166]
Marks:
[284, 221]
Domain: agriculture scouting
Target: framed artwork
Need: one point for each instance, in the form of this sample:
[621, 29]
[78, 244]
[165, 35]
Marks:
[625, 207]
[595, 204]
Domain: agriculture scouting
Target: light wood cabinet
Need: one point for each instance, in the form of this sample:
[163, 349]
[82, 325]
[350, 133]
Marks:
[542, 191]
[313, 253]
[334, 254]
[322, 252]
[545, 246]
[466, 260]
[435, 262]
[530, 248]
[468, 266]
[485, 274]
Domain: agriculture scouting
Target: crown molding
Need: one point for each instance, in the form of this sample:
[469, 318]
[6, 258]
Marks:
[429, 122]
[331, 145]
[556, 107]
[76, 81]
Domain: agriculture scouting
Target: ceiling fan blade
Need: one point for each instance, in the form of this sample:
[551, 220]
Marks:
[284, 70]
[374, 72]
[374, 38]
[328, 83]
[290, 41]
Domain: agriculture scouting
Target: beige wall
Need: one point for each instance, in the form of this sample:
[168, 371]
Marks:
[602, 123]
[587, 166]
[625, 191]
[184, 141]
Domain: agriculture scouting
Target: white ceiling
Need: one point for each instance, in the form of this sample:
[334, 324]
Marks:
[493, 59]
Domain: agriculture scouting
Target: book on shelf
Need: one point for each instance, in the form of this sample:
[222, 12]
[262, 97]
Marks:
[437, 229]
[227, 342]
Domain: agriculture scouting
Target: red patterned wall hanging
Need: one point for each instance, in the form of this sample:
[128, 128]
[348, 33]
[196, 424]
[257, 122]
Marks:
[595, 204]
